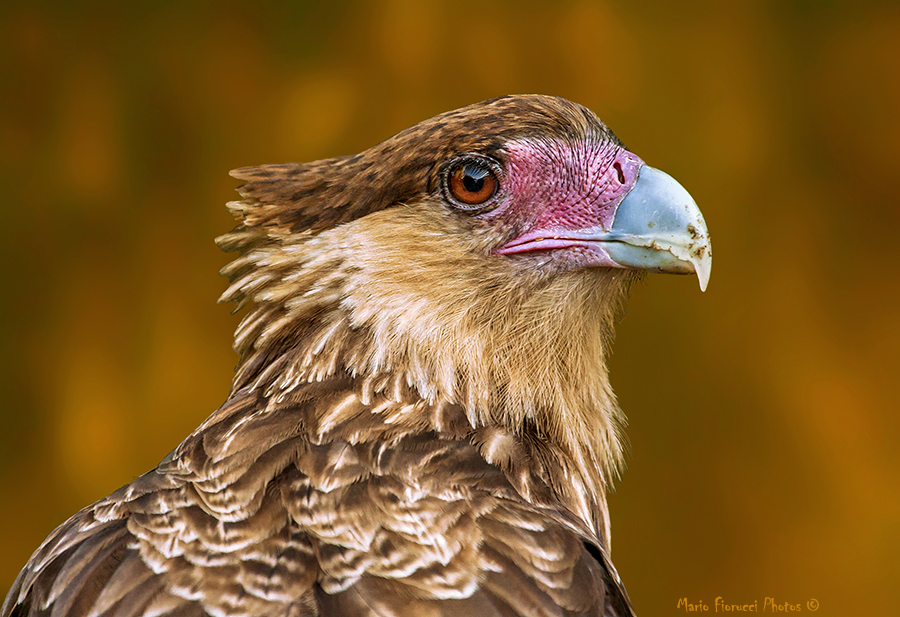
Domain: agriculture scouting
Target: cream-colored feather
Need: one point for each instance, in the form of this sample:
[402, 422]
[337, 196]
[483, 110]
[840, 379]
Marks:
[413, 294]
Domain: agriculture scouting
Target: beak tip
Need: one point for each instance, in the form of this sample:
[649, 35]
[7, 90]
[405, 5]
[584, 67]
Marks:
[703, 277]
[703, 265]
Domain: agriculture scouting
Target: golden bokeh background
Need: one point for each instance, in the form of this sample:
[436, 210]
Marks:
[763, 414]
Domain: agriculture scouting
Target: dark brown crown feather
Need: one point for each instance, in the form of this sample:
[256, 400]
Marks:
[297, 197]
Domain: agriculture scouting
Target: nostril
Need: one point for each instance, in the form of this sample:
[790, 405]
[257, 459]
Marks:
[621, 174]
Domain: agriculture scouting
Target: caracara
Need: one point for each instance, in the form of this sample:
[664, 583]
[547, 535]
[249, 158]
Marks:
[421, 422]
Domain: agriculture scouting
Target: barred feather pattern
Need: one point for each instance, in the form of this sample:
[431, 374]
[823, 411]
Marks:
[329, 505]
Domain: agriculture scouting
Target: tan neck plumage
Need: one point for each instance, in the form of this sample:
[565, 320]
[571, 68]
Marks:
[399, 294]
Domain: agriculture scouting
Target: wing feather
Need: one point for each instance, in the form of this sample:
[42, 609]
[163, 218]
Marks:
[132, 572]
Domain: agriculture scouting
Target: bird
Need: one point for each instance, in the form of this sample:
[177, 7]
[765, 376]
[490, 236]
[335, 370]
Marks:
[421, 421]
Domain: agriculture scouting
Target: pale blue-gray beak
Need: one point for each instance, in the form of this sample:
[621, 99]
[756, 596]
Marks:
[658, 227]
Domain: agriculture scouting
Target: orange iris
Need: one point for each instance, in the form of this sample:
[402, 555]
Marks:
[472, 184]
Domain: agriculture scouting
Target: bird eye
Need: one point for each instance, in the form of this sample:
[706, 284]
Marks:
[471, 180]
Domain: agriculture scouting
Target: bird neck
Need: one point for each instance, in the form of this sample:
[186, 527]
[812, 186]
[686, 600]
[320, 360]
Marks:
[526, 356]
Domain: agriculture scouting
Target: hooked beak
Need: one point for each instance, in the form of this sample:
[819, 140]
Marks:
[658, 227]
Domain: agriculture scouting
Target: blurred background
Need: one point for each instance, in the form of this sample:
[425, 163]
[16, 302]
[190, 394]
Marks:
[763, 413]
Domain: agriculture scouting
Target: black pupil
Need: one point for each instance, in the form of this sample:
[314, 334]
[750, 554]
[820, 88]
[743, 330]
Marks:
[473, 178]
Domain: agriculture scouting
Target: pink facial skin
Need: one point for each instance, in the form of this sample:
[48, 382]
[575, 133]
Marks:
[563, 194]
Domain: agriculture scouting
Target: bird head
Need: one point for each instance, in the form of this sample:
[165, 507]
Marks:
[479, 257]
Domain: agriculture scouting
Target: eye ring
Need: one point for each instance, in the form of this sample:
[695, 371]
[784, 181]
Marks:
[472, 182]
